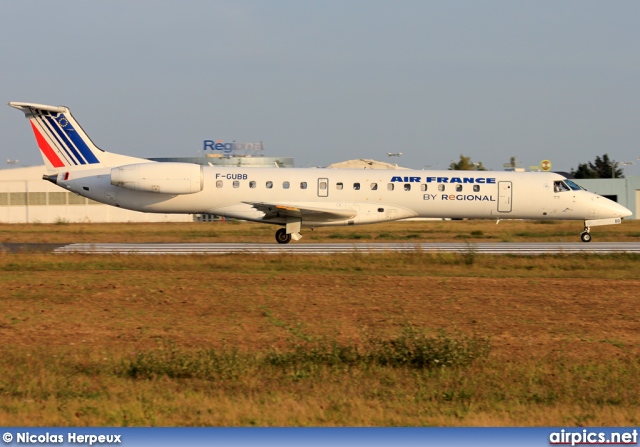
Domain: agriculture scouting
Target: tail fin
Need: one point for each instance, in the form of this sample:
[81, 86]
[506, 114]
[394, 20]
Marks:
[63, 143]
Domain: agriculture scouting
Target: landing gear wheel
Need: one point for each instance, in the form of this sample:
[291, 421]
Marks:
[586, 237]
[282, 237]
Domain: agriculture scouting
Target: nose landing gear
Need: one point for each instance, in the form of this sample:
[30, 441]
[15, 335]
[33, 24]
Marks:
[586, 237]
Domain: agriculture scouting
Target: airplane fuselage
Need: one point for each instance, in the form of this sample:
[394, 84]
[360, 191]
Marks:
[372, 195]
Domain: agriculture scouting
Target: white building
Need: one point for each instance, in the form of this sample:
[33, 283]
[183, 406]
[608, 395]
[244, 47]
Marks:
[26, 198]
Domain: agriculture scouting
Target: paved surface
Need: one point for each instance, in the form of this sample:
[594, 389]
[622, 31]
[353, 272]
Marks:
[21, 247]
[531, 248]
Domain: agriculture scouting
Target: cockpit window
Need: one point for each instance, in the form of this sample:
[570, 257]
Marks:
[566, 185]
[559, 186]
[573, 186]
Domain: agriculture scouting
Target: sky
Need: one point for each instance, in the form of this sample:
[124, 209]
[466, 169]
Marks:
[332, 80]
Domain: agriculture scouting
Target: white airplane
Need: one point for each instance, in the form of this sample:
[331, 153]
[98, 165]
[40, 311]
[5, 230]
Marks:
[394, 154]
[309, 197]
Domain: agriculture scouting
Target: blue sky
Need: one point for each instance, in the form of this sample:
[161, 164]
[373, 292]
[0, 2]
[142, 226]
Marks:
[326, 81]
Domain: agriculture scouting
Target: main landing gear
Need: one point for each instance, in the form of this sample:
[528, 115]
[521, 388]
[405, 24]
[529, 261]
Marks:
[290, 231]
[282, 237]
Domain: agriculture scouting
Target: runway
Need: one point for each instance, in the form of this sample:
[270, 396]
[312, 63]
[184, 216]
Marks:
[497, 248]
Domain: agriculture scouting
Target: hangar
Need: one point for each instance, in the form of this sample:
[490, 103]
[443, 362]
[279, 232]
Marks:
[26, 198]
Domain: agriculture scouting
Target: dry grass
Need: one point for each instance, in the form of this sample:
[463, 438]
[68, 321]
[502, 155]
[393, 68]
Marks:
[233, 231]
[563, 332]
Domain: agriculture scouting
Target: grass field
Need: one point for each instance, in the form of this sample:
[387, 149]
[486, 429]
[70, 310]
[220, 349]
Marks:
[367, 340]
[234, 231]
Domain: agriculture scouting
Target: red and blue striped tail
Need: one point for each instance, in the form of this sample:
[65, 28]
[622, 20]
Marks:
[63, 143]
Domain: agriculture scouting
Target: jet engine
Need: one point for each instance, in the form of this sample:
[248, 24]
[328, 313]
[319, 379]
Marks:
[163, 178]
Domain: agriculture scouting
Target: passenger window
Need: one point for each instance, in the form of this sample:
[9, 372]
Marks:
[476, 188]
[374, 186]
[458, 188]
[441, 187]
[323, 185]
[339, 186]
[356, 186]
[219, 184]
[269, 184]
[423, 187]
[303, 185]
[252, 184]
[390, 186]
[407, 186]
[236, 184]
[285, 185]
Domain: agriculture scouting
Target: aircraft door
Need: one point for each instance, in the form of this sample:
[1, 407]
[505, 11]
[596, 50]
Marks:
[323, 187]
[504, 197]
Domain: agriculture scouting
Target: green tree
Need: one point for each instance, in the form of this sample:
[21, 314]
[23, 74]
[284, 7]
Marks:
[600, 168]
[465, 164]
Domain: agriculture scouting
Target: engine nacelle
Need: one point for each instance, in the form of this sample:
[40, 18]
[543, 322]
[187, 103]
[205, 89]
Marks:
[163, 178]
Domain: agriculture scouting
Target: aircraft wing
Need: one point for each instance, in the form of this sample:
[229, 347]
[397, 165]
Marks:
[303, 212]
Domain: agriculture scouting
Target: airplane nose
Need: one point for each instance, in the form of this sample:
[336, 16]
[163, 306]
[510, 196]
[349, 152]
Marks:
[606, 208]
[625, 212]
[617, 210]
